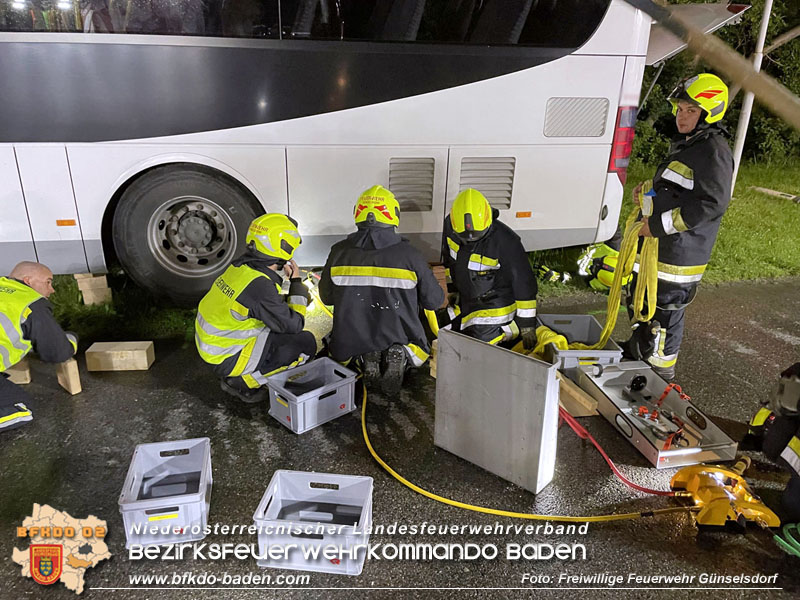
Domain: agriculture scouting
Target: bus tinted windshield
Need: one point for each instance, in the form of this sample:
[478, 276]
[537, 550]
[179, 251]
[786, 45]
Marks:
[552, 23]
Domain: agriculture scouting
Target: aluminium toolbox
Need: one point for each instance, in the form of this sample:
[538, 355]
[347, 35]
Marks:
[628, 394]
[312, 394]
[300, 510]
[167, 489]
[584, 329]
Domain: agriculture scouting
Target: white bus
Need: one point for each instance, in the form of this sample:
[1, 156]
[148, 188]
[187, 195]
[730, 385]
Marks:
[153, 131]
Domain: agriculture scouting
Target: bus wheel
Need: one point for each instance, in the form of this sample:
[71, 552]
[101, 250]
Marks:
[177, 227]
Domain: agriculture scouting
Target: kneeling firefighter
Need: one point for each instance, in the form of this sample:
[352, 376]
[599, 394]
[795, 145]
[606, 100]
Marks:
[489, 269]
[377, 282]
[245, 328]
[776, 426]
[682, 206]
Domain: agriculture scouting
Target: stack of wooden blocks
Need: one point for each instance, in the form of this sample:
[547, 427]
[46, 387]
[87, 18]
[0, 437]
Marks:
[67, 373]
[434, 350]
[441, 277]
[94, 288]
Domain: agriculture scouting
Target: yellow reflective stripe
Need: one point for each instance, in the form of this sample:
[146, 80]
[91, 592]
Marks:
[453, 247]
[386, 277]
[498, 339]
[481, 263]
[680, 174]
[490, 316]
[16, 415]
[26, 313]
[416, 354]
[511, 331]
[298, 304]
[388, 272]
[677, 220]
[239, 311]
[526, 309]
[659, 359]
[681, 269]
[791, 454]
[676, 273]
[760, 417]
[250, 381]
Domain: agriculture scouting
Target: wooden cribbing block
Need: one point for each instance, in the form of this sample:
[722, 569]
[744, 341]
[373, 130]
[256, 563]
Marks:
[574, 400]
[95, 282]
[96, 296]
[20, 373]
[68, 376]
[120, 356]
[434, 350]
[441, 277]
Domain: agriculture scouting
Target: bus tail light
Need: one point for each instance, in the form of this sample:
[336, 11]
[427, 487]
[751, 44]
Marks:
[623, 142]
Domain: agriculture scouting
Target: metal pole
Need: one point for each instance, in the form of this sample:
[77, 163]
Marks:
[747, 103]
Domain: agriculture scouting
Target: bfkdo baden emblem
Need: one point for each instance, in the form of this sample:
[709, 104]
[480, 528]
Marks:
[46, 562]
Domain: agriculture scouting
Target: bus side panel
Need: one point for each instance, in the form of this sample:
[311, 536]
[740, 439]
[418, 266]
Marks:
[261, 169]
[16, 242]
[325, 182]
[45, 174]
[551, 205]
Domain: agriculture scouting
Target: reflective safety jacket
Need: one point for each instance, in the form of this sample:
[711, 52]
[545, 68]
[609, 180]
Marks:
[692, 191]
[237, 315]
[27, 323]
[493, 277]
[377, 282]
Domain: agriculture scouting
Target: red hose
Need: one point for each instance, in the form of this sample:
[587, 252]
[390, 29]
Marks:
[585, 435]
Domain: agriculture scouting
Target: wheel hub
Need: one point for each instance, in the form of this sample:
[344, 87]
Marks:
[194, 230]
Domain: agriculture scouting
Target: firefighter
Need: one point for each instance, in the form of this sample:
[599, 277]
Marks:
[245, 328]
[27, 323]
[682, 206]
[776, 428]
[377, 282]
[489, 269]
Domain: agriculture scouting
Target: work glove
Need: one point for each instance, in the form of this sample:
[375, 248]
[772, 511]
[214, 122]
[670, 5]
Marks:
[528, 338]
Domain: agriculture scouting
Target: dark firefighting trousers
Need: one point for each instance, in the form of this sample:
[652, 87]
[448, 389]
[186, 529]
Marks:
[285, 351]
[660, 348]
[13, 405]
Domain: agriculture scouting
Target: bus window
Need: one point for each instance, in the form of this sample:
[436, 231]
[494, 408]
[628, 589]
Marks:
[228, 18]
[551, 23]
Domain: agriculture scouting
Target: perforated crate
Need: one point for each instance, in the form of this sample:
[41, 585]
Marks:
[301, 510]
[311, 394]
[166, 495]
[584, 329]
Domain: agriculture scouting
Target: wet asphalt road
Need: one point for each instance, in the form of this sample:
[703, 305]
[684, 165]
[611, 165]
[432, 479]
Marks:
[76, 453]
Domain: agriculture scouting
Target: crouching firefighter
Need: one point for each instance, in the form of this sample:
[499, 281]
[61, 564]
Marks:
[245, 328]
[27, 323]
[488, 267]
[683, 206]
[377, 282]
[776, 426]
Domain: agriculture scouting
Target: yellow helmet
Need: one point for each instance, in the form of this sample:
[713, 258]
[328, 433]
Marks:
[274, 235]
[377, 205]
[471, 215]
[704, 90]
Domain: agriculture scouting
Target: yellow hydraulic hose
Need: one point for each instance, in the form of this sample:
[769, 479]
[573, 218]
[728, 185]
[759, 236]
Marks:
[504, 513]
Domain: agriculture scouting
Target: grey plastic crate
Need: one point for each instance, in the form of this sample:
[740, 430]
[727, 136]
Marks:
[302, 510]
[167, 488]
[311, 394]
[579, 328]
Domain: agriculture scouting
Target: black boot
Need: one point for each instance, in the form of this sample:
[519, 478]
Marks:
[396, 361]
[372, 369]
[236, 387]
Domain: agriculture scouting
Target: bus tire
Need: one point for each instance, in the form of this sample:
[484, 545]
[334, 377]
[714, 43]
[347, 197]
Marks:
[177, 227]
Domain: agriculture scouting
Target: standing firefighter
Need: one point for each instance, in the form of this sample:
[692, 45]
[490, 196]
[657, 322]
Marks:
[489, 269]
[245, 328]
[377, 283]
[27, 323]
[682, 206]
